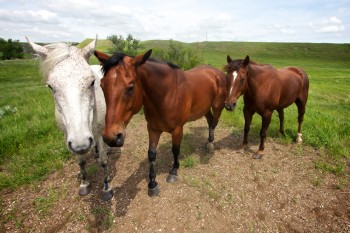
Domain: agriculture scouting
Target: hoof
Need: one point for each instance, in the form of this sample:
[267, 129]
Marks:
[171, 178]
[244, 147]
[153, 192]
[257, 156]
[84, 190]
[210, 147]
[107, 195]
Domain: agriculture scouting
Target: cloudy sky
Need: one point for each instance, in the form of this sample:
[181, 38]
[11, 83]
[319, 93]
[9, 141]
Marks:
[187, 21]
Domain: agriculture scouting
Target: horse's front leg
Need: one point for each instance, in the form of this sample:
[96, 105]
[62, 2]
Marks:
[248, 116]
[176, 140]
[107, 192]
[266, 119]
[85, 187]
[154, 136]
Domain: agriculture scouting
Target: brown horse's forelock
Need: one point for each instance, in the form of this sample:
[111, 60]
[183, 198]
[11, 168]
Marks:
[233, 65]
[115, 59]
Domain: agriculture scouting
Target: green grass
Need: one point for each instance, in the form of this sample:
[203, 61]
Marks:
[31, 145]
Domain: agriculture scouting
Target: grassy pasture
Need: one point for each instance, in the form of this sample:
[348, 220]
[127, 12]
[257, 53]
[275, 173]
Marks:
[32, 146]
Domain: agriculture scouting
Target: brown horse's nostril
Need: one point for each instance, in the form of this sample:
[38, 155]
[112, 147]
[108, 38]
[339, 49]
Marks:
[230, 107]
[117, 141]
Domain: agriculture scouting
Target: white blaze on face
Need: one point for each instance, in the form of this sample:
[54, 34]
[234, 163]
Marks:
[234, 76]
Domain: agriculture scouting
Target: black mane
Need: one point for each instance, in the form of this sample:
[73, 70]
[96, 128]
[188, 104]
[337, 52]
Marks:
[170, 64]
[115, 59]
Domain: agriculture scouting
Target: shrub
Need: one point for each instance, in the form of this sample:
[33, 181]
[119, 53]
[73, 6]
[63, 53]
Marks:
[10, 49]
[178, 54]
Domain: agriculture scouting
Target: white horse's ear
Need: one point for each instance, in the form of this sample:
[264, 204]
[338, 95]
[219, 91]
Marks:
[38, 49]
[89, 49]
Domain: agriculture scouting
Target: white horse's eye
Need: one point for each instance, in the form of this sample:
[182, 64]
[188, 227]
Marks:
[92, 84]
[49, 86]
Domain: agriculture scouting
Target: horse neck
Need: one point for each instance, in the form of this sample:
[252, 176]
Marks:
[252, 83]
[156, 80]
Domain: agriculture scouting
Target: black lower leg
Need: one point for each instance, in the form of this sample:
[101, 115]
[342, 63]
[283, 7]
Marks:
[211, 134]
[172, 177]
[176, 165]
[152, 175]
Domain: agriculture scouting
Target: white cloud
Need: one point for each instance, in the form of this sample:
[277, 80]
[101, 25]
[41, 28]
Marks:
[334, 20]
[330, 25]
[331, 28]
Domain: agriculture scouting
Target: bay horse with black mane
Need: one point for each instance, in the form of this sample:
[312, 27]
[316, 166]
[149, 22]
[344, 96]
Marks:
[264, 90]
[170, 96]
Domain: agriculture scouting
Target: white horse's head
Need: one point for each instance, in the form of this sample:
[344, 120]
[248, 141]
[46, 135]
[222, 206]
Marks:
[72, 82]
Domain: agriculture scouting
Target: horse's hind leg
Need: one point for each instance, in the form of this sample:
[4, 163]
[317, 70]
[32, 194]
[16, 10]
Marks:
[301, 111]
[213, 120]
[85, 187]
[281, 116]
[210, 118]
[107, 193]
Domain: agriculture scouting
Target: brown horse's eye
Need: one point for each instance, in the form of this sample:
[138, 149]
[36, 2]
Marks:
[241, 80]
[130, 90]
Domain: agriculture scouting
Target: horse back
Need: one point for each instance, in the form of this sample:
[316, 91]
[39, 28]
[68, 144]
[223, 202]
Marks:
[206, 75]
[207, 87]
[294, 85]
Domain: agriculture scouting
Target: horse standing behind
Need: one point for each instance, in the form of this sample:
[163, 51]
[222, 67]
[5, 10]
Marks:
[264, 90]
[171, 97]
[79, 103]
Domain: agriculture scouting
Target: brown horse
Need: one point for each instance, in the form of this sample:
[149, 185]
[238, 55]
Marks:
[170, 96]
[264, 90]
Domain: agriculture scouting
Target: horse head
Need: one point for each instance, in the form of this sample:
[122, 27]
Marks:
[122, 91]
[237, 72]
[72, 83]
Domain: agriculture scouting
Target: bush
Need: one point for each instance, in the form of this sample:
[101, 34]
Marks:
[10, 49]
[129, 45]
[176, 53]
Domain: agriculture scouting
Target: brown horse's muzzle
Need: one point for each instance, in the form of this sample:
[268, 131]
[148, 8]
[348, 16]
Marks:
[114, 141]
[230, 106]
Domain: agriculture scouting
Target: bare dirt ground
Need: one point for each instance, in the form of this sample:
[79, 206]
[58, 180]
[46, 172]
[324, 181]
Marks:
[227, 191]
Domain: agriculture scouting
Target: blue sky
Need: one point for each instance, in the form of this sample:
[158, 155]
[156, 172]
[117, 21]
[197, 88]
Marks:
[188, 21]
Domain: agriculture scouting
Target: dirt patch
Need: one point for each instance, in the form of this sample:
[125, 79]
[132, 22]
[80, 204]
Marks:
[227, 191]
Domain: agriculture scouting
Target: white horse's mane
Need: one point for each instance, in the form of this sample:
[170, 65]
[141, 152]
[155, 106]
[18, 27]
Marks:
[56, 53]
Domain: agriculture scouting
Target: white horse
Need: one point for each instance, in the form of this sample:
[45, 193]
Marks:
[79, 103]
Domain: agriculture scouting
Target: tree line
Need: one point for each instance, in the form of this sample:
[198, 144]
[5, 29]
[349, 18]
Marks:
[176, 52]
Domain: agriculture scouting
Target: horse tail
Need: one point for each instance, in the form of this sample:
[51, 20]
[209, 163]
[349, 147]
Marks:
[305, 87]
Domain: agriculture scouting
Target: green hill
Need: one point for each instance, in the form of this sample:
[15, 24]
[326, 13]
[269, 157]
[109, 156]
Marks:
[278, 54]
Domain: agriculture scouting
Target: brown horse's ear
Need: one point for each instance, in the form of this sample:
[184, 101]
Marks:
[229, 59]
[102, 57]
[246, 61]
[141, 59]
